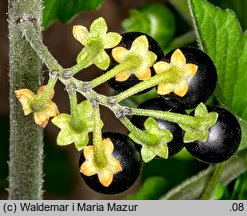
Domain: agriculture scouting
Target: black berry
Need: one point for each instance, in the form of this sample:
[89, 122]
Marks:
[223, 140]
[126, 42]
[201, 86]
[129, 158]
[176, 145]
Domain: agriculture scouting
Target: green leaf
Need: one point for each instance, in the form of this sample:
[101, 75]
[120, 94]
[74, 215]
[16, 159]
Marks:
[64, 10]
[238, 6]
[152, 189]
[221, 36]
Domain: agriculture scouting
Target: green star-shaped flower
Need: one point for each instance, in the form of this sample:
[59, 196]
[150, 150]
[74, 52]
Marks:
[68, 134]
[199, 131]
[98, 39]
[148, 152]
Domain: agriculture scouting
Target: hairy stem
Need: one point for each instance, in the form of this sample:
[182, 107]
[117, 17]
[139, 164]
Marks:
[99, 152]
[210, 188]
[26, 137]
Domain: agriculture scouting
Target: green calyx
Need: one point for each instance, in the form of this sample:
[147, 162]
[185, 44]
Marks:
[75, 131]
[144, 59]
[203, 120]
[158, 146]
[95, 42]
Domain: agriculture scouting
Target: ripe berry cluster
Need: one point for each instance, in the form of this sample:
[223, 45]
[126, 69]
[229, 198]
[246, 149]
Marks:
[133, 63]
[223, 137]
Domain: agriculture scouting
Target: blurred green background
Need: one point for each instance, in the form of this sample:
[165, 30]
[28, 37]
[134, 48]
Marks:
[62, 179]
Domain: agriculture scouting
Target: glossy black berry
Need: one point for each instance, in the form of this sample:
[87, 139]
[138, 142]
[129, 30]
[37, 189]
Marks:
[126, 42]
[125, 152]
[176, 145]
[201, 86]
[223, 140]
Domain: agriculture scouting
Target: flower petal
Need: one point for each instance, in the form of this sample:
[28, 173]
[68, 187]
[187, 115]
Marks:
[119, 54]
[181, 88]
[41, 118]
[162, 151]
[143, 74]
[161, 67]
[88, 152]
[98, 28]
[140, 45]
[150, 58]
[81, 141]
[190, 70]
[51, 109]
[115, 166]
[105, 177]
[66, 136]
[102, 60]
[164, 88]
[42, 89]
[111, 40]
[178, 58]
[147, 153]
[81, 34]
[108, 146]
[61, 121]
[24, 96]
[88, 169]
[122, 76]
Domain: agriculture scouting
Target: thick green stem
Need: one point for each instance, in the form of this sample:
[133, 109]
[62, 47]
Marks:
[26, 137]
[210, 188]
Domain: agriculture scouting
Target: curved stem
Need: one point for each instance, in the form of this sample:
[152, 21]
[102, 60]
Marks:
[100, 158]
[28, 30]
[148, 83]
[148, 139]
[210, 188]
[90, 54]
[130, 64]
[39, 102]
[166, 115]
[76, 122]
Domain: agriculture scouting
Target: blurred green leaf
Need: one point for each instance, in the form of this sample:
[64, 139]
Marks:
[153, 188]
[64, 10]
[153, 19]
[220, 35]
[240, 188]
[219, 192]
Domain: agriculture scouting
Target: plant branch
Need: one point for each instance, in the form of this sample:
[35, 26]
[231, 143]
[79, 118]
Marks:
[210, 187]
[30, 33]
[26, 137]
